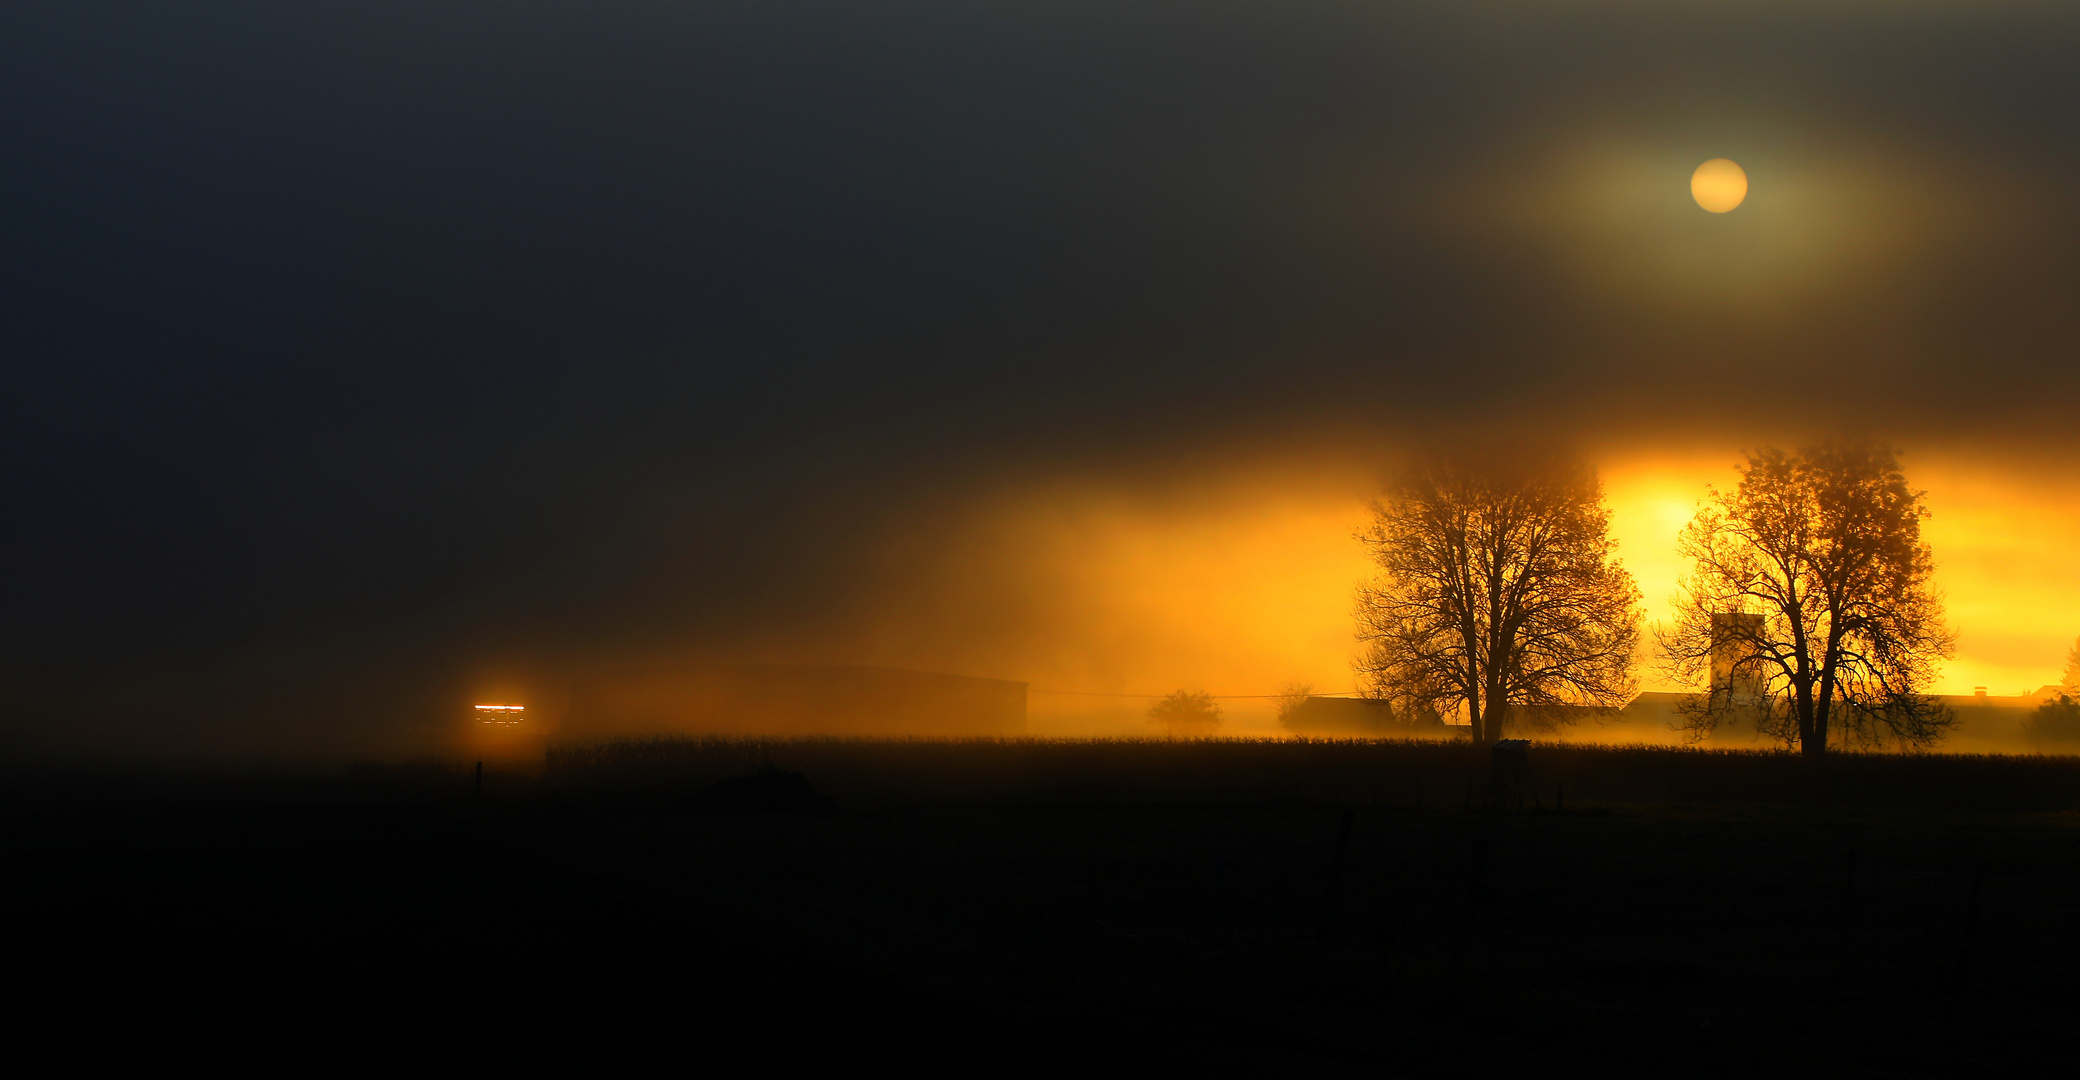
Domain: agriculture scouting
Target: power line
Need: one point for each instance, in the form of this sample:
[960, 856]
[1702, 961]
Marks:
[1217, 697]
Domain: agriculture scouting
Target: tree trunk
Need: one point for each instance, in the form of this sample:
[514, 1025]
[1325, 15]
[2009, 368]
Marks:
[1823, 706]
[1802, 704]
[1812, 726]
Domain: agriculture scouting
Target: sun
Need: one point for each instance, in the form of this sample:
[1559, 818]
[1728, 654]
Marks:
[1719, 185]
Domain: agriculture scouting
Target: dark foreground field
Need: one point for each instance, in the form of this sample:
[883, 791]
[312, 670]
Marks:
[994, 907]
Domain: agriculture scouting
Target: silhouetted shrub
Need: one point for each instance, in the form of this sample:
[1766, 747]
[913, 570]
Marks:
[2055, 724]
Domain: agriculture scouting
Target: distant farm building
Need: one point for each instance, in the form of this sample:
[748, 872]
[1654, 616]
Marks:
[501, 730]
[757, 699]
[1357, 717]
[499, 716]
[1985, 723]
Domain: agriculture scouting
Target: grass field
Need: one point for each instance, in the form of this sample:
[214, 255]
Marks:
[1277, 907]
[1435, 775]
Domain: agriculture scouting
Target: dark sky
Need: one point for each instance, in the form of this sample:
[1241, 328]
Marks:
[349, 345]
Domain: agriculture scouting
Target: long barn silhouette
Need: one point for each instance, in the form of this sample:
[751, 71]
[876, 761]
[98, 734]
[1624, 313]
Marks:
[780, 699]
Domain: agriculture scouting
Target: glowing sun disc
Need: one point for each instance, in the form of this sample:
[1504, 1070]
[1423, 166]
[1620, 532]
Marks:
[1718, 185]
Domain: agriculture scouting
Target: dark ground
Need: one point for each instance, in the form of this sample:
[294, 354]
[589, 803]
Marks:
[1098, 915]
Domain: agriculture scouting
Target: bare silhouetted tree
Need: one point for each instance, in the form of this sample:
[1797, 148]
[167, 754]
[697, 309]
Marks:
[1290, 699]
[2071, 679]
[1186, 714]
[1498, 587]
[1810, 592]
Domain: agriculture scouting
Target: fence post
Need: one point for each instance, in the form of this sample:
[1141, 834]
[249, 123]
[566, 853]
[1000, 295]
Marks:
[1969, 939]
[1477, 883]
[1507, 763]
[1343, 846]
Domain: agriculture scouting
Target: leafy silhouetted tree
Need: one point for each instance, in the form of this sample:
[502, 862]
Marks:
[1186, 714]
[2054, 724]
[2071, 679]
[1498, 587]
[1825, 547]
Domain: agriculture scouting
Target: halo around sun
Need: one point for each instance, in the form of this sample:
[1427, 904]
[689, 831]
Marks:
[1719, 185]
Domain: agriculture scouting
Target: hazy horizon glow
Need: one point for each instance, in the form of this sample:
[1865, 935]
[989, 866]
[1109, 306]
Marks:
[389, 362]
[1244, 585]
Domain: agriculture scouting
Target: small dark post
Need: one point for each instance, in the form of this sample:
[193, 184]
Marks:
[1382, 942]
[1970, 936]
[1343, 847]
[1477, 886]
[1559, 796]
[1506, 763]
[478, 793]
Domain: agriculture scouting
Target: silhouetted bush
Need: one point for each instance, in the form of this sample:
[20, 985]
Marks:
[2055, 724]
